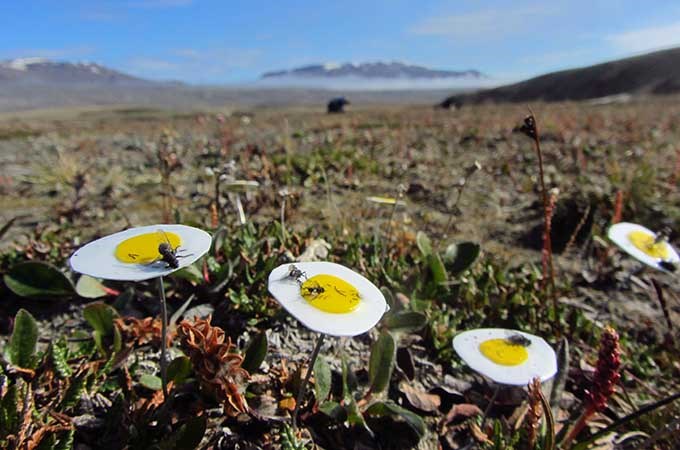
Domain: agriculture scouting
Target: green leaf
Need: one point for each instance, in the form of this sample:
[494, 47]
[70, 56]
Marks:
[460, 257]
[151, 382]
[100, 317]
[59, 352]
[179, 369]
[322, 379]
[389, 297]
[24, 339]
[35, 279]
[256, 352]
[381, 362]
[405, 321]
[88, 287]
[424, 244]
[74, 391]
[434, 262]
[9, 415]
[389, 408]
[190, 435]
[191, 273]
[333, 410]
[66, 440]
[5, 228]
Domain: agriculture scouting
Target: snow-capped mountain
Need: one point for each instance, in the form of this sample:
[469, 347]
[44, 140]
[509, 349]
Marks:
[373, 75]
[382, 70]
[45, 71]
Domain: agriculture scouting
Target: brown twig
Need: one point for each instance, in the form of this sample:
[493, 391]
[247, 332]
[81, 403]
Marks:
[577, 230]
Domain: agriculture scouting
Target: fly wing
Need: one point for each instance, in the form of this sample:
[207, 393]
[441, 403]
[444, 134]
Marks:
[163, 237]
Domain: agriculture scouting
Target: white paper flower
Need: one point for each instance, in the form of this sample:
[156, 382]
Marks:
[327, 297]
[133, 254]
[639, 242]
[506, 356]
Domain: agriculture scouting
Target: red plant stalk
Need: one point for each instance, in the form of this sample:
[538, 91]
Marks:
[546, 253]
[676, 173]
[618, 207]
[604, 382]
[530, 128]
[206, 274]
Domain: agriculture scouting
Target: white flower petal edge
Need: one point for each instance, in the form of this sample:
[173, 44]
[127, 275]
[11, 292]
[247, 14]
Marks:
[98, 259]
[618, 234]
[542, 362]
[287, 292]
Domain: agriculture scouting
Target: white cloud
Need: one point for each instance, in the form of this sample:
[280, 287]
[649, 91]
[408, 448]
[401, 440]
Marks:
[489, 23]
[645, 39]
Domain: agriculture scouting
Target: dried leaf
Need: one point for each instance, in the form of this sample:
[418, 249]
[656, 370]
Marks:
[420, 399]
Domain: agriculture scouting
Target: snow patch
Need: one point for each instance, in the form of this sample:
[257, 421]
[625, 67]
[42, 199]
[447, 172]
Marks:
[23, 63]
[331, 66]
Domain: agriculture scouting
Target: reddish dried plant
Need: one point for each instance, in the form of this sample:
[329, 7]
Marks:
[534, 413]
[607, 371]
[604, 381]
[216, 364]
[141, 331]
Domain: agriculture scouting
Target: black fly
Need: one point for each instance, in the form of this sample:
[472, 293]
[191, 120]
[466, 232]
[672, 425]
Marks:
[296, 274]
[313, 289]
[518, 339]
[168, 254]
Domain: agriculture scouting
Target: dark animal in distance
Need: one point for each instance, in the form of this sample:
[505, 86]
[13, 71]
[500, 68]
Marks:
[337, 105]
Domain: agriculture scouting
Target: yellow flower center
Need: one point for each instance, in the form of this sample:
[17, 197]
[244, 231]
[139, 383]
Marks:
[504, 352]
[330, 294]
[645, 242]
[143, 248]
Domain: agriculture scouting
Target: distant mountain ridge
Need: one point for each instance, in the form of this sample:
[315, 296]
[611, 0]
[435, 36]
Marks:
[30, 71]
[651, 73]
[372, 70]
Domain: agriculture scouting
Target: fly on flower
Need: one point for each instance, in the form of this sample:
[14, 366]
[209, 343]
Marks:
[327, 297]
[506, 356]
[168, 254]
[141, 253]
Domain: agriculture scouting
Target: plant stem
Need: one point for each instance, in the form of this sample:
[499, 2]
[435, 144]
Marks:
[640, 412]
[389, 228]
[239, 210]
[546, 219]
[491, 402]
[303, 387]
[164, 334]
[578, 426]
[283, 221]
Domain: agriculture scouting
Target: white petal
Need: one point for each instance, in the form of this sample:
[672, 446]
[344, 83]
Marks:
[98, 259]
[541, 363]
[618, 234]
[363, 318]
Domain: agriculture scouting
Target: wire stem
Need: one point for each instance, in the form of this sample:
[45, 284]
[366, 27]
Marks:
[490, 405]
[303, 388]
[164, 336]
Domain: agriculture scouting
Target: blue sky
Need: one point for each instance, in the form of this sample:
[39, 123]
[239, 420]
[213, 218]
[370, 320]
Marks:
[232, 41]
